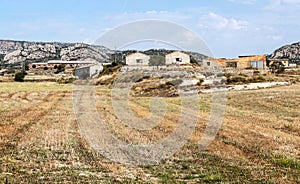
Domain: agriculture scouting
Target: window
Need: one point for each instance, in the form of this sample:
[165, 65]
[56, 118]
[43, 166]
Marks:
[208, 63]
[139, 61]
[178, 59]
[231, 64]
[257, 64]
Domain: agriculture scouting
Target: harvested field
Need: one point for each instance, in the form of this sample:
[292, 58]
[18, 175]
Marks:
[259, 141]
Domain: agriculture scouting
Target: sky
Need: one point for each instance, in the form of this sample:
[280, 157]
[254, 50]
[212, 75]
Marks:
[228, 27]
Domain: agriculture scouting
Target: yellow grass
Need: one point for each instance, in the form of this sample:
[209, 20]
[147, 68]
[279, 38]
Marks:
[259, 140]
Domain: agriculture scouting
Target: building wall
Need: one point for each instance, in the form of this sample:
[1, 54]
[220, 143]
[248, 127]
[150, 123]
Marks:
[137, 59]
[244, 62]
[177, 57]
[211, 62]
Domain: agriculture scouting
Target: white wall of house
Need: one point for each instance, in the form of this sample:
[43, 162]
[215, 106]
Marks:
[95, 70]
[177, 57]
[137, 59]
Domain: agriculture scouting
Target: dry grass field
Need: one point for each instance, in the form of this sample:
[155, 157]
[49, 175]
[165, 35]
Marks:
[259, 141]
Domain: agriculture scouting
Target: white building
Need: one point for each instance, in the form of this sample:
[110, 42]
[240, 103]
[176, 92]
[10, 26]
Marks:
[90, 71]
[137, 59]
[177, 57]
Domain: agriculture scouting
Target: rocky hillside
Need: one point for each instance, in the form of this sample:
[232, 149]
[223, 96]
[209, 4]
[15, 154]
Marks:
[17, 52]
[291, 52]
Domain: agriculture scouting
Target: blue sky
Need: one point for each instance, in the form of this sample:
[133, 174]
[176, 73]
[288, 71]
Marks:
[229, 27]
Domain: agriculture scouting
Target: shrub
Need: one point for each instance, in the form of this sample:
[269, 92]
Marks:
[256, 72]
[19, 77]
[227, 75]
[194, 61]
[114, 64]
[175, 82]
[11, 71]
[277, 67]
[26, 67]
[60, 68]
[156, 61]
[220, 74]
[46, 68]
[33, 66]
[200, 82]
[236, 79]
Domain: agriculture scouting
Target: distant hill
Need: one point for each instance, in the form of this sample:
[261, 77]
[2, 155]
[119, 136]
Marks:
[291, 52]
[17, 52]
[14, 53]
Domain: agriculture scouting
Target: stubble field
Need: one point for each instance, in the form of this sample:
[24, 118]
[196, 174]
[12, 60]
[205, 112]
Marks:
[40, 142]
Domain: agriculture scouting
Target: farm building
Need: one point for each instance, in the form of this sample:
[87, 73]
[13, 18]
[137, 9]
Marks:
[137, 59]
[244, 62]
[210, 62]
[52, 63]
[91, 71]
[177, 57]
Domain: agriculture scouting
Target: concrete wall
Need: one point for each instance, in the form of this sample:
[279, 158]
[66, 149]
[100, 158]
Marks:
[137, 59]
[177, 57]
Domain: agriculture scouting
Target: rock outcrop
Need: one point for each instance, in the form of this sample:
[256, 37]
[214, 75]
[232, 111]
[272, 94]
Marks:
[291, 52]
[18, 52]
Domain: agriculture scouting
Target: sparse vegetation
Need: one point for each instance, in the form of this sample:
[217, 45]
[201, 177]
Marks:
[19, 77]
[277, 67]
[41, 142]
[156, 60]
[60, 68]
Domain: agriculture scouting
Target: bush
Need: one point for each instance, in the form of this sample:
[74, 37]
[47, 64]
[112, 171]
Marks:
[60, 68]
[46, 68]
[157, 61]
[236, 79]
[220, 74]
[200, 82]
[19, 77]
[175, 82]
[227, 75]
[277, 67]
[26, 67]
[256, 72]
[194, 61]
[11, 71]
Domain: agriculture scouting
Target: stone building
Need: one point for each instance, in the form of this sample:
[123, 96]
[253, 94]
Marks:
[177, 57]
[137, 59]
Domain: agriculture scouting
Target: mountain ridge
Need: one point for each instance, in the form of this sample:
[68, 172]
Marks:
[289, 51]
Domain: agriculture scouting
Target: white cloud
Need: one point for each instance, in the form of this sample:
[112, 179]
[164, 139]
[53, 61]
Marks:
[152, 14]
[213, 20]
[249, 2]
[277, 5]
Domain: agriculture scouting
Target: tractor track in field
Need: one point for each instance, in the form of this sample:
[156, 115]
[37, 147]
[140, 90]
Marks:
[22, 120]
